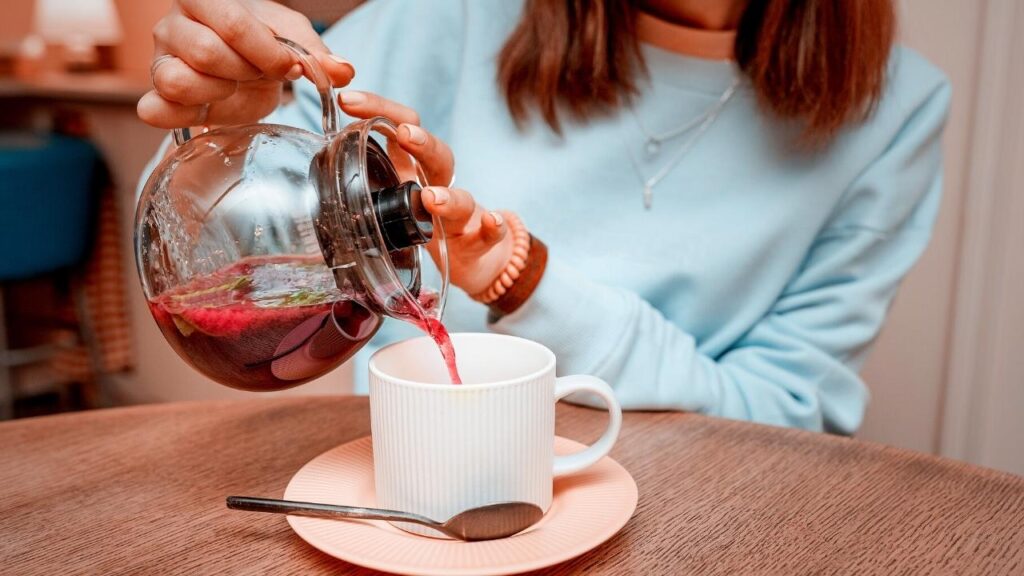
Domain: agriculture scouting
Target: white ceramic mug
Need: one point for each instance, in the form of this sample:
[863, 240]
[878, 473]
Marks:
[440, 448]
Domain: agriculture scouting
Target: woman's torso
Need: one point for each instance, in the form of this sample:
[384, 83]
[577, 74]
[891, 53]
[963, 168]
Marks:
[731, 222]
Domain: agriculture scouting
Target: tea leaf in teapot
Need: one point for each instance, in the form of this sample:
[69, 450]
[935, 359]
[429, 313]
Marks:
[304, 297]
[207, 296]
[183, 325]
[239, 283]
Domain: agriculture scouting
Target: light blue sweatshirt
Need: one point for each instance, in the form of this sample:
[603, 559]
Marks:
[752, 289]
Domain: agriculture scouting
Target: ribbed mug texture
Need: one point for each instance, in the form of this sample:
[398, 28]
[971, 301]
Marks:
[440, 450]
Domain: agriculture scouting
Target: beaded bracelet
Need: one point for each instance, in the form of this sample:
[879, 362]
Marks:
[516, 263]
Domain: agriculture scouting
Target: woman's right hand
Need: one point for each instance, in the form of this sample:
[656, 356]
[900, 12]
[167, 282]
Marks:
[217, 62]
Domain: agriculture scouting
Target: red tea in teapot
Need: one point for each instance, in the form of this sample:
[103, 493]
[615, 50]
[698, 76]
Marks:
[269, 323]
[264, 323]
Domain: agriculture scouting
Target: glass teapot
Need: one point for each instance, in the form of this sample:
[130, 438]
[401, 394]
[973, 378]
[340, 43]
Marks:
[269, 254]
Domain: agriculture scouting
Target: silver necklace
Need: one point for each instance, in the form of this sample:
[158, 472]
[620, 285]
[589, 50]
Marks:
[654, 141]
[702, 123]
[652, 146]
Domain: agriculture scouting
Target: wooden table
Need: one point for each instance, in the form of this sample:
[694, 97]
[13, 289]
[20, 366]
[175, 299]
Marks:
[141, 491]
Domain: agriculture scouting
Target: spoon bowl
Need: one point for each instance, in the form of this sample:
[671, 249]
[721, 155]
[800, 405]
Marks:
[489, 522]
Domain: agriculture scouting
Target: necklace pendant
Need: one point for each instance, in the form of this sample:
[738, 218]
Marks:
[648, 196]
[652, 147]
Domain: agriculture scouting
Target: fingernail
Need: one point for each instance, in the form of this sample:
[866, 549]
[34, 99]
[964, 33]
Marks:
[440, 196]
[352, 98]
[498, 219]
[294, 73]
[417, 135]
[343, 62]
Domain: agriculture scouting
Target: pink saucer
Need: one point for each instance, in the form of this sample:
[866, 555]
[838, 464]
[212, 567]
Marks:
[588, 508]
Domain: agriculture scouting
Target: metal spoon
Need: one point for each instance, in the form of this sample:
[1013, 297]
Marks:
[488, 522]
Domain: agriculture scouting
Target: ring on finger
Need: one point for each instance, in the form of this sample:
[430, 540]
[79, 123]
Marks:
[157, 62]
[204, 113]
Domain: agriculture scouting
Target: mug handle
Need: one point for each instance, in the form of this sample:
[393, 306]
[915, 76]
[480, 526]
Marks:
[588, 457]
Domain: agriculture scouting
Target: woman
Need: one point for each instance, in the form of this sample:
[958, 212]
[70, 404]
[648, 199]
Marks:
[730, 191]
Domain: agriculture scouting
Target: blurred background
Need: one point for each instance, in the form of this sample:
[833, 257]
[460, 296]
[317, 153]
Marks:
[945, 375]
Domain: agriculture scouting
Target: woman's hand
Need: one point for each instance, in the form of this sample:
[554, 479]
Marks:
[217, 62]
[479, 246]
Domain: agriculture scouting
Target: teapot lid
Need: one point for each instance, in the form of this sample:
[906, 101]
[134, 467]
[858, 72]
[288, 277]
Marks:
[371, 224]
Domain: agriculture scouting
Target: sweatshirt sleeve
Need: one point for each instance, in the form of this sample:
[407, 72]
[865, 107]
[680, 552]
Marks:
[797, 366]
[409, 51]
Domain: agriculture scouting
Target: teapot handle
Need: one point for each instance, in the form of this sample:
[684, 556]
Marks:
[315, 72]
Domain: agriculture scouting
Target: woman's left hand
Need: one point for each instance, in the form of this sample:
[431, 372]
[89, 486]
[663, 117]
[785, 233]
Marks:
[479, 247]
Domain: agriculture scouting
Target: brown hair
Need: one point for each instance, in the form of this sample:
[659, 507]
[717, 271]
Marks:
[819, 62]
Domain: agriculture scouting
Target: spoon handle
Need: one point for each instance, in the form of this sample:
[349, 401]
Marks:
[323, 510]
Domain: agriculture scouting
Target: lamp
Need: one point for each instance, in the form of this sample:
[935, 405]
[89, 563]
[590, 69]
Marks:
[79, 26]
